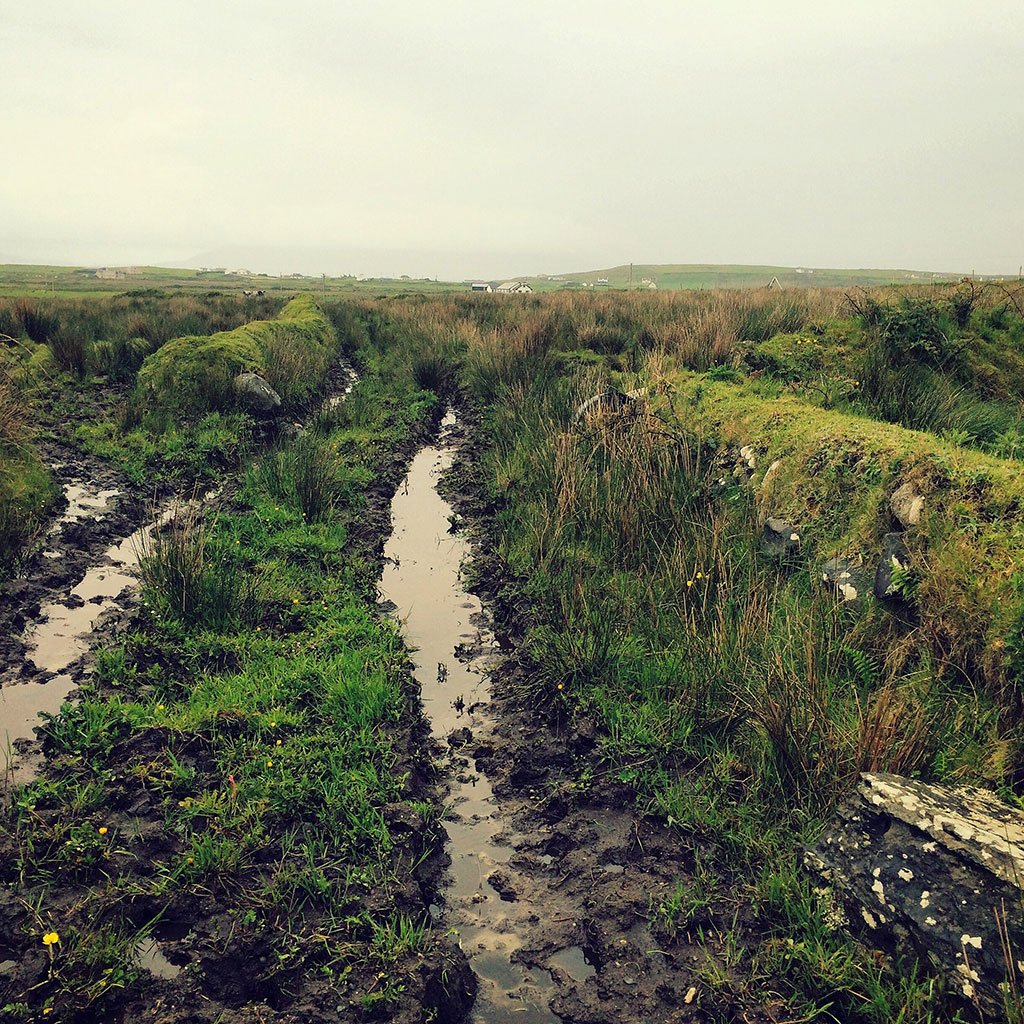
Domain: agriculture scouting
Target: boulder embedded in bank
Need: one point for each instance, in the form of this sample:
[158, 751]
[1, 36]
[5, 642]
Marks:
[895, 557]
[907, 505]
[254, 394]
[936, 870]
[611, 400]
[770, 474]
[848, 580]
[780, 537]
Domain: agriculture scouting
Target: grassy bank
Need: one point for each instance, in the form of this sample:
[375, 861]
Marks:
[27, 490]
[248, 763]
[734, 692]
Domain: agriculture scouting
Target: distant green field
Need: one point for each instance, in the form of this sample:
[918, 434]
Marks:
[70, 282]
[25, 279]
[697, 275]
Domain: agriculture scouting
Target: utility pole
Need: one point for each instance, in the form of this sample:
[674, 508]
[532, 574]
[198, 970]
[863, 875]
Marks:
[631, 275]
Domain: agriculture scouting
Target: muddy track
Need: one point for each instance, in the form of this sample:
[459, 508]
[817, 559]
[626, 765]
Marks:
[586, 870]
[234, 983]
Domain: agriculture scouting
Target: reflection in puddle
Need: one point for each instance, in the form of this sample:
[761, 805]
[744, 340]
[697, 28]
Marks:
[22, 703]
[421, 577]
[575, 963]
[150, 950]
[83, 503]
[152, 959]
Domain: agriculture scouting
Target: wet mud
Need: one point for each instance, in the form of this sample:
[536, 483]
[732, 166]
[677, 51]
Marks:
[51, 610]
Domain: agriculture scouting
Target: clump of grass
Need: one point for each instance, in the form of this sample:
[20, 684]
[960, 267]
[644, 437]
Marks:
[308, 474]
[69, 349]
[192, 575]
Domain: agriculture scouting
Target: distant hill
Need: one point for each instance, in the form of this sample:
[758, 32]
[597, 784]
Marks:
[719, 275]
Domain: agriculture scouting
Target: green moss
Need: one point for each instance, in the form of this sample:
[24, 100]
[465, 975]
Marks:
[193, 375]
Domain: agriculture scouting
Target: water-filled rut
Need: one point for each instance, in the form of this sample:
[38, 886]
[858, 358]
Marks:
[446, 628]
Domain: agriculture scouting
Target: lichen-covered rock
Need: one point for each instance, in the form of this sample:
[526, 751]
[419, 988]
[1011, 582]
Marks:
[936, 870]
[847, 579]
[780, 537]
[907, 505]
[255, 394]
[895, 557]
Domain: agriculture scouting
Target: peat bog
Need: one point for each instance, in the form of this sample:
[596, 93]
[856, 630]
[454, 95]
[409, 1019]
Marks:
[510, 677]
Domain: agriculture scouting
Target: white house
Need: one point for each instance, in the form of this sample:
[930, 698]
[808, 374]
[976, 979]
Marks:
[514, 288]
[480, 286]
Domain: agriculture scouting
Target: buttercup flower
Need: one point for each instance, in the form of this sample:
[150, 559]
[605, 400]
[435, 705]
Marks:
[50, 938]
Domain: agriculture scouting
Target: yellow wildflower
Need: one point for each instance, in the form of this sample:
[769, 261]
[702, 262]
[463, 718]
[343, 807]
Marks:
[50, 938]
[102, 830]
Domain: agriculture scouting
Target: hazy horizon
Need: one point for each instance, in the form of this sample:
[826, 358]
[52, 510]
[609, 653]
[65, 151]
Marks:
[455, 141]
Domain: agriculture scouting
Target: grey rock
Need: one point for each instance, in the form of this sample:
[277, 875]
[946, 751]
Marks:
[780, 537]
[255, 394]
[770, 474]
[907, 505]
[935, 870]
[894, 556]
[848, 580]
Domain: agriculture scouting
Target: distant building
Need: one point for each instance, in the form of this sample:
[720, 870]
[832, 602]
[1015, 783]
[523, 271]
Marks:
[514, 288]
[602, 281]
[480, 286]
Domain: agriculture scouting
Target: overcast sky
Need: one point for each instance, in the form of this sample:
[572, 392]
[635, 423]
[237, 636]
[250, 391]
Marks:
[453, 139]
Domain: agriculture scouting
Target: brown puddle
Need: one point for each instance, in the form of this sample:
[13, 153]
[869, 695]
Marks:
[422, 579]
[63, 634]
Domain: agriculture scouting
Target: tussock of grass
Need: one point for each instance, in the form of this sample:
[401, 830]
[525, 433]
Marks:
[189, 573]
[309, 474]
